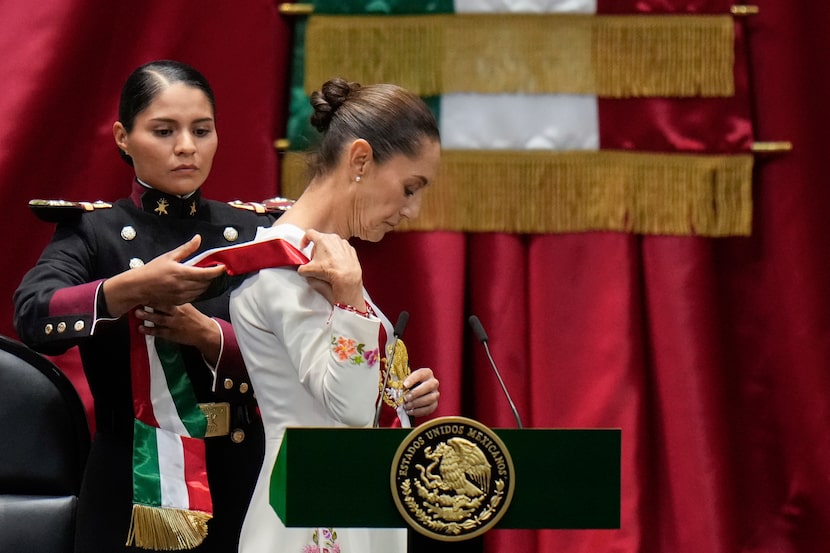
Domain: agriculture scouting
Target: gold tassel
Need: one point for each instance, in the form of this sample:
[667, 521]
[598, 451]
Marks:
[555, 192]
[167, 529]
[604, 55]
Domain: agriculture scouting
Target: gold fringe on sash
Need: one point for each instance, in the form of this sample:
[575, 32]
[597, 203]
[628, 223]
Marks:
[604, 55]
[166, 529]
[557, 192]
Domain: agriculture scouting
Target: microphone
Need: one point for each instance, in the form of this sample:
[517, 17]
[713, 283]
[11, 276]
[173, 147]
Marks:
[400, 326]
[482, 337]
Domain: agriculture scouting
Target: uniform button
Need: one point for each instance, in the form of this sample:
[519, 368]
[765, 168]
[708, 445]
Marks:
[79, 326]
[128, 233]
[135, 263]
[61, 327]
[230, 234]
[238, 435]
[48, 329]
[243, 388]
[228, 383]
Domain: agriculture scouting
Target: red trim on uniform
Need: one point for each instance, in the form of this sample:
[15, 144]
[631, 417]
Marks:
[74, 300]
[230, 364]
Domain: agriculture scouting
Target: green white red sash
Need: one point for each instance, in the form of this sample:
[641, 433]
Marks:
[171, 496]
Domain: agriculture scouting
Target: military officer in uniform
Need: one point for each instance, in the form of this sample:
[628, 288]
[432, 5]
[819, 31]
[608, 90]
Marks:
[108, 260]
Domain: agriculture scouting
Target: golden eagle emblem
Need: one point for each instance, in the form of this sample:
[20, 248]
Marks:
[452, 478]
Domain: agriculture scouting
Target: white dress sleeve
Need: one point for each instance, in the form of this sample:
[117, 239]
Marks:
[288, 331]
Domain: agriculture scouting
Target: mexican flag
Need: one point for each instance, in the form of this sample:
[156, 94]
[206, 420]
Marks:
[171, 497]
[555, 116]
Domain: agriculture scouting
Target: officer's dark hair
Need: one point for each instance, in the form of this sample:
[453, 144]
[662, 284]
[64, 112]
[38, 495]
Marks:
[391, 119]
[147, 81]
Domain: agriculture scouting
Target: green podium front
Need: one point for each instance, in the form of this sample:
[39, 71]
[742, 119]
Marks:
[564, 478]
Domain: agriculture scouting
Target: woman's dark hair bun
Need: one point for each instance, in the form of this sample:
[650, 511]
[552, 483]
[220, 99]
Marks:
[328, 100]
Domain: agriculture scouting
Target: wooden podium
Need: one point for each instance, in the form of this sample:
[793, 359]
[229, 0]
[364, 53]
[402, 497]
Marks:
[564, 478]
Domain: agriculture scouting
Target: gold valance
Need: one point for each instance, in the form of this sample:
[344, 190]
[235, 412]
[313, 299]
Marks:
[546, 192]
[609, 56]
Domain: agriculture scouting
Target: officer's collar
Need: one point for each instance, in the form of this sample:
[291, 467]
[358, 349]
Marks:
[158, 203]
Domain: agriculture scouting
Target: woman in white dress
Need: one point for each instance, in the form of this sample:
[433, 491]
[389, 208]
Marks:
[310, 335]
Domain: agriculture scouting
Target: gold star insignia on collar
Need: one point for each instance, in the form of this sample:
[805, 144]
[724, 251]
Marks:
[161, 207]
[193, 209]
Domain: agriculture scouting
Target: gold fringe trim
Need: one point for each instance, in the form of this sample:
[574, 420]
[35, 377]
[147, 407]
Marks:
[557, 192]
[167, 529]
[610, 56]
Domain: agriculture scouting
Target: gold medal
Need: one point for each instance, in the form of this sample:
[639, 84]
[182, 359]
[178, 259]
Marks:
[398, 370]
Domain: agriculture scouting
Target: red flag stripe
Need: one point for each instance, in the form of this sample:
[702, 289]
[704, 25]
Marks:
[142, 403]
[195, 474]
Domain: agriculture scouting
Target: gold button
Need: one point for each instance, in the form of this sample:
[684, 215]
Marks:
[228, 383]
[243, 388]
[79, 326]
[48, 328]
[238, 435]
[61, 327]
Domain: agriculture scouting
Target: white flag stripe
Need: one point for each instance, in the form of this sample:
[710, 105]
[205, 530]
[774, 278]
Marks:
[526, 6]
[163, 407]
[171, 470]
[519, 122]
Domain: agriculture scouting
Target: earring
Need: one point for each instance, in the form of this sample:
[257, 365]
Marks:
[357, 178]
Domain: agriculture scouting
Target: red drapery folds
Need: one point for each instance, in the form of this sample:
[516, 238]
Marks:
[710, 354]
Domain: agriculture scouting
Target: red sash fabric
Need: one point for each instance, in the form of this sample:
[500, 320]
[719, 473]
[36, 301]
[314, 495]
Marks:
[251, 256]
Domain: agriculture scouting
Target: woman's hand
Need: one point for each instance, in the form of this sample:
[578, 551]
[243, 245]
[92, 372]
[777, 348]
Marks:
[162, 281]
[421, 399]
[183, 324]
[334, 269]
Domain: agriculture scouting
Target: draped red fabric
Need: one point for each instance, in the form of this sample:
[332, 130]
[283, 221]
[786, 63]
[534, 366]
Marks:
[711, 355]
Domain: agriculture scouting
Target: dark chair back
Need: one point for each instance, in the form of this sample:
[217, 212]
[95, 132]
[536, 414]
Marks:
[44, 443]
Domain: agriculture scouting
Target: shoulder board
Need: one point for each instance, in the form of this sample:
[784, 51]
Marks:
[55, 211]
[271, 205]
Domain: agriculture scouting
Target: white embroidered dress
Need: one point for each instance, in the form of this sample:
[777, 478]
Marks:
[306, 370]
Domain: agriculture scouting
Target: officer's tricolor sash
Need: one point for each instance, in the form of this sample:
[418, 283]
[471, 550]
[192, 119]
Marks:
[171, 495]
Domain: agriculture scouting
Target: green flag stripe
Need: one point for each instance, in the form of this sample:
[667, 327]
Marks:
[376, 7]
[146, 477]
[180, 388]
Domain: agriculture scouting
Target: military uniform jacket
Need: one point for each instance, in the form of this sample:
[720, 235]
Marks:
[58, 305]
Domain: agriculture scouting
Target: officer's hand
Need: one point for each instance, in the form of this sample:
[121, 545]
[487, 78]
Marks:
[162, 281]
[183, 324]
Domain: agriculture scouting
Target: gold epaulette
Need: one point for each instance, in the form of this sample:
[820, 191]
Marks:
[55, 211]
[271, 205]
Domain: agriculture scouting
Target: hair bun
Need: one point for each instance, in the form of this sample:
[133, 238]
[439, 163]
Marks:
[328, 100]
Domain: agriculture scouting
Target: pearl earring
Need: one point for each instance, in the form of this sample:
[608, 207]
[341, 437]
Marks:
[357, 178]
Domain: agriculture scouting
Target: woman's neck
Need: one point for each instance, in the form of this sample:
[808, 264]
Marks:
[320, 208]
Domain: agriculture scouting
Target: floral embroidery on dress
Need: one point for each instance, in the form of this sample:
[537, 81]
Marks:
[325, 541]
[347, 349]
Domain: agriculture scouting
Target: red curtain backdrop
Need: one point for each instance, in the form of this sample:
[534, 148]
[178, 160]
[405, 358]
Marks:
[711, 355]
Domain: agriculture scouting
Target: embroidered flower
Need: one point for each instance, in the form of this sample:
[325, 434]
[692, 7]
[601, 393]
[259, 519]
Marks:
[347, 349]
[328, 537]
[344, 348]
